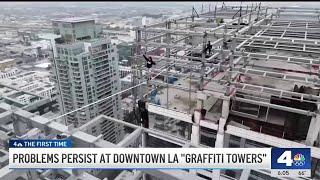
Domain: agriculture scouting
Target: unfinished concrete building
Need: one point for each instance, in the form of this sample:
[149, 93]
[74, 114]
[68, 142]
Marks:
[258, 87]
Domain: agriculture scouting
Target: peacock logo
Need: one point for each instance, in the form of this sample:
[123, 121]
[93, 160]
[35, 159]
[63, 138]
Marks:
[299, 159]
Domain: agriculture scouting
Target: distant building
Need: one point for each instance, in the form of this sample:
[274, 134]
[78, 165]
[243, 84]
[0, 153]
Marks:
[25, 100]
[32, 81]
[126, 82]
[8, 73]
[124, 71]
[7, 63]
[147, 20]
[135, 21]
[125, 51]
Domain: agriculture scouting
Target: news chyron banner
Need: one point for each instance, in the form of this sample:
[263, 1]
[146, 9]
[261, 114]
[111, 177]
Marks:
[59, 154]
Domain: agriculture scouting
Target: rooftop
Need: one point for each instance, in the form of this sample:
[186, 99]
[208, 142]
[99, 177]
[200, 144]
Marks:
[6, 60]
[74, 19]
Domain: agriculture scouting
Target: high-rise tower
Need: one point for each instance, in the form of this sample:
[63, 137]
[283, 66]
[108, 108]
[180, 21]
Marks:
[85, 66]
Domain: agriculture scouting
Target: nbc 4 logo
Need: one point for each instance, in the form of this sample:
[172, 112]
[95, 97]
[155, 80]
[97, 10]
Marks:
[298, 159]
[17, 144]
[291, 158]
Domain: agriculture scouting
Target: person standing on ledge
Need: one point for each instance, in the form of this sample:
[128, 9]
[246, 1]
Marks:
[208, 48]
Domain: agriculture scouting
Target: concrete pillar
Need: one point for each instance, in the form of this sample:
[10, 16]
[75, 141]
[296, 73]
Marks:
[234, 45]
[144, 139]
[225, 108]
[231, 65]
[242, 142]
[219, 140]
[278, 14]
[46, 130]
[222, 123]
[245, 174]
[203, 56]
[195, 135]
[313, 131]
[144, 144]
[249, 20]
[199, 103]
[226, 140]
[239, 21]
[266, 13]
[18, 126]
[258, 13]
[224, 116]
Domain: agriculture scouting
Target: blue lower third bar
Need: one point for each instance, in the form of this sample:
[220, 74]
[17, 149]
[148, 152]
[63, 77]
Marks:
[40, 143]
